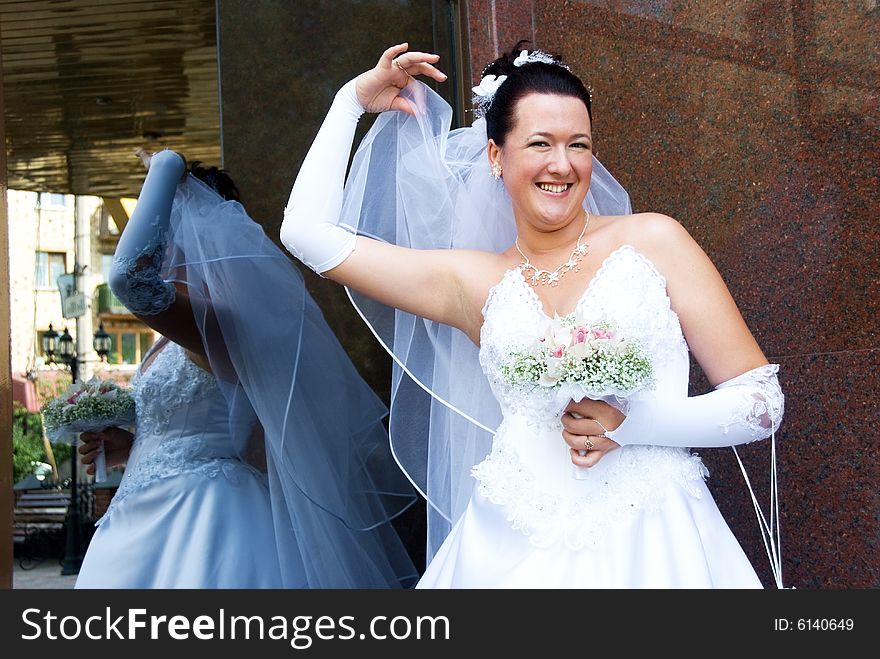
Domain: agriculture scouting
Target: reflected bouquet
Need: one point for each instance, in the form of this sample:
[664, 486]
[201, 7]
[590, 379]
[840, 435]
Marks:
[597, 358]
[88, 407]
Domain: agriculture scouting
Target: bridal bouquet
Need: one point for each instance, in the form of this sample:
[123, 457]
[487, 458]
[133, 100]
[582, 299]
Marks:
[88, 406]
[597, 358]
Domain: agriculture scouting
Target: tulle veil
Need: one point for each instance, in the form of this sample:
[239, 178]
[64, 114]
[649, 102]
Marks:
[415, 183]
[333, 482]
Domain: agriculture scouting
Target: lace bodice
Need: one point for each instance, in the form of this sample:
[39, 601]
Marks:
[182, 425]
[627, 289]
[529, 470]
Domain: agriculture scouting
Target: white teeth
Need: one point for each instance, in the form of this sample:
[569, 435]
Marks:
[549, 187]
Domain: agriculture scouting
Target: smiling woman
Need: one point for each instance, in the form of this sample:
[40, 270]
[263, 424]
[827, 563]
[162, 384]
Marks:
[546, 161]
[565, 463]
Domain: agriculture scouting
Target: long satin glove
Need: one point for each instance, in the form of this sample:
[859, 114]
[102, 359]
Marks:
[743, 409]
[135, 277]
[310, 228]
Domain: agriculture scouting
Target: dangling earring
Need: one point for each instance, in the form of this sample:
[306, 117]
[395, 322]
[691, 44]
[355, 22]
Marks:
[496, 170]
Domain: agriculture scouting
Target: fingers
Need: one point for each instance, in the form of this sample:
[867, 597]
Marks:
[397, 52]
[401, 104]
[393, 52]
[581, 425]
[415, 58]
[425, 69]
[88, 447]
[88, 457]
[413, 63]
[90, 443]
[582, 407]
[588, 459]
[145, 157]
[592, 409]
[584, 441]
[587, 449]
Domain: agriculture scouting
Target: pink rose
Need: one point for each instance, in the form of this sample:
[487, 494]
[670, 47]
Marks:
[579, 335]
[599, 333]
[558, 351]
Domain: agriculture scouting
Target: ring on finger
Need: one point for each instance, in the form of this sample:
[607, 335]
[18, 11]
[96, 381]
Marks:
[588, 444]
[400, 66]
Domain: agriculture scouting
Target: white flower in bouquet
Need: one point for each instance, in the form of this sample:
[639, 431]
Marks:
[596, 357]
[88, 407]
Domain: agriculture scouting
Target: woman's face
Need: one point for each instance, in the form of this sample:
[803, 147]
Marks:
[547, 160]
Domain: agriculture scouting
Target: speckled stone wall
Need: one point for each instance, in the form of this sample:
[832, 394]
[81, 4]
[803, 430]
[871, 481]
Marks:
[755, 124]
[280, 65]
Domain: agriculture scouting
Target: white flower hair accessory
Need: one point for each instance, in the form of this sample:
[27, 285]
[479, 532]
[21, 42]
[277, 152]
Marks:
[488, 85]
[526, 57]
[484, 93]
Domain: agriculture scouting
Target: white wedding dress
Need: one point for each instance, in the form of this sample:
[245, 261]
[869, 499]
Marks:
[641, 518]
[189, 512]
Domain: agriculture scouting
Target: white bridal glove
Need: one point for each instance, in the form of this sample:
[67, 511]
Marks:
[139, 254]
[743, 409]
[310, 230]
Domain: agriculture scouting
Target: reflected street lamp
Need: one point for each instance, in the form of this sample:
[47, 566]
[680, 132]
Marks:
[50, 343]
[65, 349]
[102, 343]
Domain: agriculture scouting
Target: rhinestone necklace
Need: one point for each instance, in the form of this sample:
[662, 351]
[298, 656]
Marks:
[536, 276]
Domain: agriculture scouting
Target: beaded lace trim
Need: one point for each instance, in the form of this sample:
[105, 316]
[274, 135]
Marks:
[172, 382]
[763, 408]
[636, 483]
[145, 293]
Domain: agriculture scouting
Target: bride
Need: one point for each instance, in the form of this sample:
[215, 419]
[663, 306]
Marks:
[197, 506]
[514, 235]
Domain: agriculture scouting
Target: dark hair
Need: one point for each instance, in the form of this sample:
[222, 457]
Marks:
[217, 179]
[530, 78]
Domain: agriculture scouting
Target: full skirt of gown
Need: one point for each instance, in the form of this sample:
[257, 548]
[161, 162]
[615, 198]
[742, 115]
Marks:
[188, 531]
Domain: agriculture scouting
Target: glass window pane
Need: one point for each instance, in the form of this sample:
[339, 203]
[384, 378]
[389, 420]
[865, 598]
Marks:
[41, 275]
[58, 199]
[106, 265]
[128, 348]
[56, 267]
[113, 355]
[52, 200]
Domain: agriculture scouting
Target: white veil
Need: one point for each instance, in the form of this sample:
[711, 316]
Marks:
[334, 485]
[416, 184]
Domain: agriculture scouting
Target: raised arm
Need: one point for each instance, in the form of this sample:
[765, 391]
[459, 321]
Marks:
[423, 282]
[135, 277]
